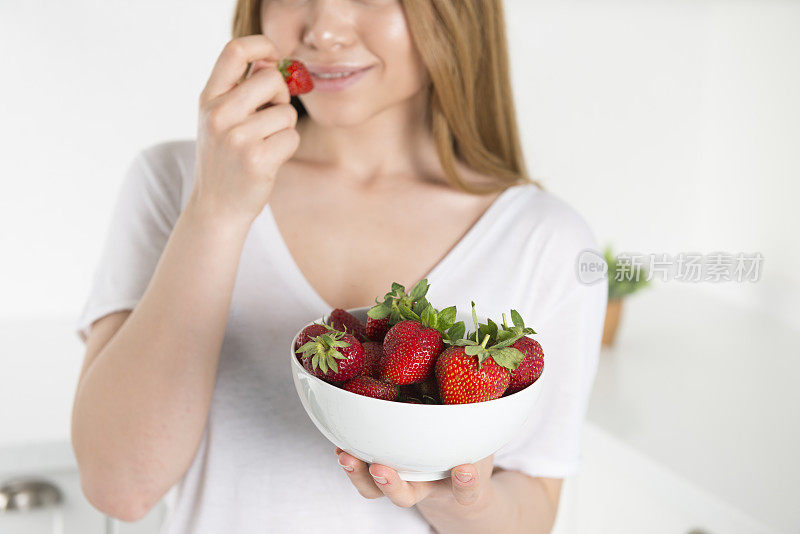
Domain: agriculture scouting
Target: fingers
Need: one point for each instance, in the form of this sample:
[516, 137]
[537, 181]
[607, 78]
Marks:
[272, 152]
[233, 61]
[401, 493]
[466, 484]
[264, 123]
[267, 85]
[239, 104]
[359, 475]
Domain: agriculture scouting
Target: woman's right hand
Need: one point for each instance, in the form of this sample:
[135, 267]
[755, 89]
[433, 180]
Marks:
[240, 147]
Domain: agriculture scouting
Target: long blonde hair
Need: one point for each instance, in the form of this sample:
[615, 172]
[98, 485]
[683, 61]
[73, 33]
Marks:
[470, 105]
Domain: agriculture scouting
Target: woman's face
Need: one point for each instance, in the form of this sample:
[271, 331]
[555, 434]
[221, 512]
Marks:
[367, 40]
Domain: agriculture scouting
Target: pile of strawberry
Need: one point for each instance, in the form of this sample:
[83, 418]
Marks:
[408, 351]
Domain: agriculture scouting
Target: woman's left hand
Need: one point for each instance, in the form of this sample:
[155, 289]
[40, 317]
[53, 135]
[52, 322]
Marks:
[469, 484]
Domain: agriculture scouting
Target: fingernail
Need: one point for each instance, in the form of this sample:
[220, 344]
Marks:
[463, 476]
[380, 480]
[346, 467]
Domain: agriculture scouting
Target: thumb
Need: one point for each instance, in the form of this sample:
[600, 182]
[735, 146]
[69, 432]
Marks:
[466, 484]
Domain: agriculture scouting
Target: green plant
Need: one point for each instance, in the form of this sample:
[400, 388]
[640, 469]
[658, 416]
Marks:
[624, 278]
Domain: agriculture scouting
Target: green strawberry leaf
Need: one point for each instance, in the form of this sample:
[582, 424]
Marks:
[473, 350]
[307, 346]
[429, 317]
[516, 318]
[407, 313]
[447, 317]
[380, 311]
[507, 357]
[420, 305]
[398, 288]
[456, 332]
[323, 364]
[340, 343]
[474, 317]
[488, 329]
[333, 365]
[506, 343]
[419, 290]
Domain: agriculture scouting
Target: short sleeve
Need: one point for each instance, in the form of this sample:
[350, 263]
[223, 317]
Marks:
[147, 206]
[569, 329]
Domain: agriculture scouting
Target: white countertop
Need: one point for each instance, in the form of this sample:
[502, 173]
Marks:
[709, 391]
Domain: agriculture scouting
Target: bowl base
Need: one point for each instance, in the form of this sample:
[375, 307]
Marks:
[416, 476]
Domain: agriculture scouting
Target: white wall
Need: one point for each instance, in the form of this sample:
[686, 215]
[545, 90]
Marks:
[672, 125]
[668, 124]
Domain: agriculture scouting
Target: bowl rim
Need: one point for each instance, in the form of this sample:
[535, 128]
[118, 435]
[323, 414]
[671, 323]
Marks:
[296, 364]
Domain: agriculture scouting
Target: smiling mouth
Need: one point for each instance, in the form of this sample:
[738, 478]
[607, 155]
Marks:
[336, 75]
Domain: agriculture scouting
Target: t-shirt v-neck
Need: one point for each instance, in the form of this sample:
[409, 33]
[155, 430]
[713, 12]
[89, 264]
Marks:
[282, 253]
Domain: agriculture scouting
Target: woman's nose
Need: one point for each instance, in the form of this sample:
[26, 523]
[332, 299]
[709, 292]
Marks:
[330, 25]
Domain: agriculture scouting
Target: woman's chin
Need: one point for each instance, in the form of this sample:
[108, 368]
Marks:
[342, 115]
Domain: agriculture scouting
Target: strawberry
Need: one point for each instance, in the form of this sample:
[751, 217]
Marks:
[411, 346]
[372, 387]
[334, 356]
[377, 328]
[345, 321]
[530, 369]
[471, 372]
[386, 314]
[297, 77]
[308, 333]
[373, 354]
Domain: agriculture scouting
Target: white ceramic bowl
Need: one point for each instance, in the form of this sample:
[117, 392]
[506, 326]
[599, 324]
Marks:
[420, 441]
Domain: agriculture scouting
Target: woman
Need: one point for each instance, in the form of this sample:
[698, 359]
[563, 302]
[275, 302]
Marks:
[285, 208]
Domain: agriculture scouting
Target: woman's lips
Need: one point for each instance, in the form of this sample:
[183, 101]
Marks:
[343, 79]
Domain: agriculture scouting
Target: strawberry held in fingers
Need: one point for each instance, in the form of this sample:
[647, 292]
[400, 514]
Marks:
[411, 346]
[297, 77]
[345, 321]
[333, 356]
[386, 314]
[372, 387]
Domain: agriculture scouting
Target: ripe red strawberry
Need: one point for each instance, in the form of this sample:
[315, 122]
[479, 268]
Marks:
[377, 328]
[386, 314]
[373, 354]
[532, 364]
[462, 380]
[372, 387]
[410, 350]
[297, 77]
[309, 332]
[333, 357]
[345, 321]
[531, 367]
[410, 347]
[471, 372]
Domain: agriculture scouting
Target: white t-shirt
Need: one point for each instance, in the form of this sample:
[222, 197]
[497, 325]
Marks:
[262, 466]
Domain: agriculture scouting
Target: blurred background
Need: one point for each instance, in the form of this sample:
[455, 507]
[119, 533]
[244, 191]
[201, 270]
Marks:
[673, 126]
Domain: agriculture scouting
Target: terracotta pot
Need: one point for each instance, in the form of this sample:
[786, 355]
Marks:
[613, 312]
